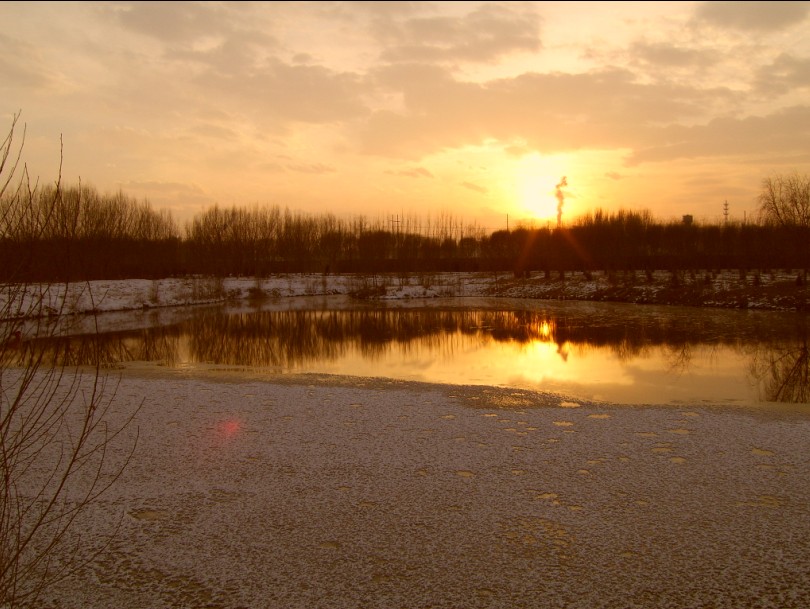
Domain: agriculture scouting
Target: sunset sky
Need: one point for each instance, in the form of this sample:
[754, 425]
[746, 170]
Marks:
[469, 109]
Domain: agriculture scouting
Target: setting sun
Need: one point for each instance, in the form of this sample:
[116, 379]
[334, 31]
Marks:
[537, 179]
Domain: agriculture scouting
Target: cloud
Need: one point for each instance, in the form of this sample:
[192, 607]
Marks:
[303, 58]
[781, 131]
[670, 55]
[786, 73]
[753, 16]
[23, 65]
[482, 35]
[215, 132]
[614, 175]
[547, 113]
[174, 188]
[414, 172]
[314, 168]
[174, 23]
[175, 197]
[475, 187]
[237, 53]
[203, 60]
[517, 149]
[279, 92]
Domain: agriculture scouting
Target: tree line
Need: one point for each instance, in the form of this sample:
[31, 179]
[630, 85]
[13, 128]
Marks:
[77, 234]
[74, 233]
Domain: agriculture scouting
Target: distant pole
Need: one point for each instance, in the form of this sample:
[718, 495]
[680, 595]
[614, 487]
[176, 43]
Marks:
[725, 212]
[507, 223]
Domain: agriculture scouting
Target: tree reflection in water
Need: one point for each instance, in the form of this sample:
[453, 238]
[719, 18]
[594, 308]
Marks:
[292, 339]
[783, 371]
[112, 348]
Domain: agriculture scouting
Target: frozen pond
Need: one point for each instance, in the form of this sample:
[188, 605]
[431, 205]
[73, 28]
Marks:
[630, 354]
[334, 493]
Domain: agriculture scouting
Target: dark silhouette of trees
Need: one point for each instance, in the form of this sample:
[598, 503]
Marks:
[93, 236]
[784, 207]
[74, 234]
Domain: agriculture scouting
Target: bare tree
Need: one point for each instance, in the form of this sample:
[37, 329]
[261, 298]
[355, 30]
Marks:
[785, 200]
[59, 450]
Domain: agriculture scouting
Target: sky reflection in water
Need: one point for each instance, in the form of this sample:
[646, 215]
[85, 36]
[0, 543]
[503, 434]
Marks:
[714, 374]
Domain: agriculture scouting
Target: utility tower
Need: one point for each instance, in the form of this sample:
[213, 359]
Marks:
[725, 212]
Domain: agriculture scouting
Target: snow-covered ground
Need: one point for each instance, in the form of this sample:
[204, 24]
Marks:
[322, 493]
[139, 294]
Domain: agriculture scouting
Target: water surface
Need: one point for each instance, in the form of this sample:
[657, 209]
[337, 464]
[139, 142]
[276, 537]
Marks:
[597, 351]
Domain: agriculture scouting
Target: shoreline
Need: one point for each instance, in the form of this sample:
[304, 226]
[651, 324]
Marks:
[773, 291]
[470, 395]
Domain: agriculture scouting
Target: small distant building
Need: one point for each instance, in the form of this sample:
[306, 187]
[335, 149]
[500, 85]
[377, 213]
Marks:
[687, 219]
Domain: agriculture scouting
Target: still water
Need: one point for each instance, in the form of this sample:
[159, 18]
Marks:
[613, 352]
